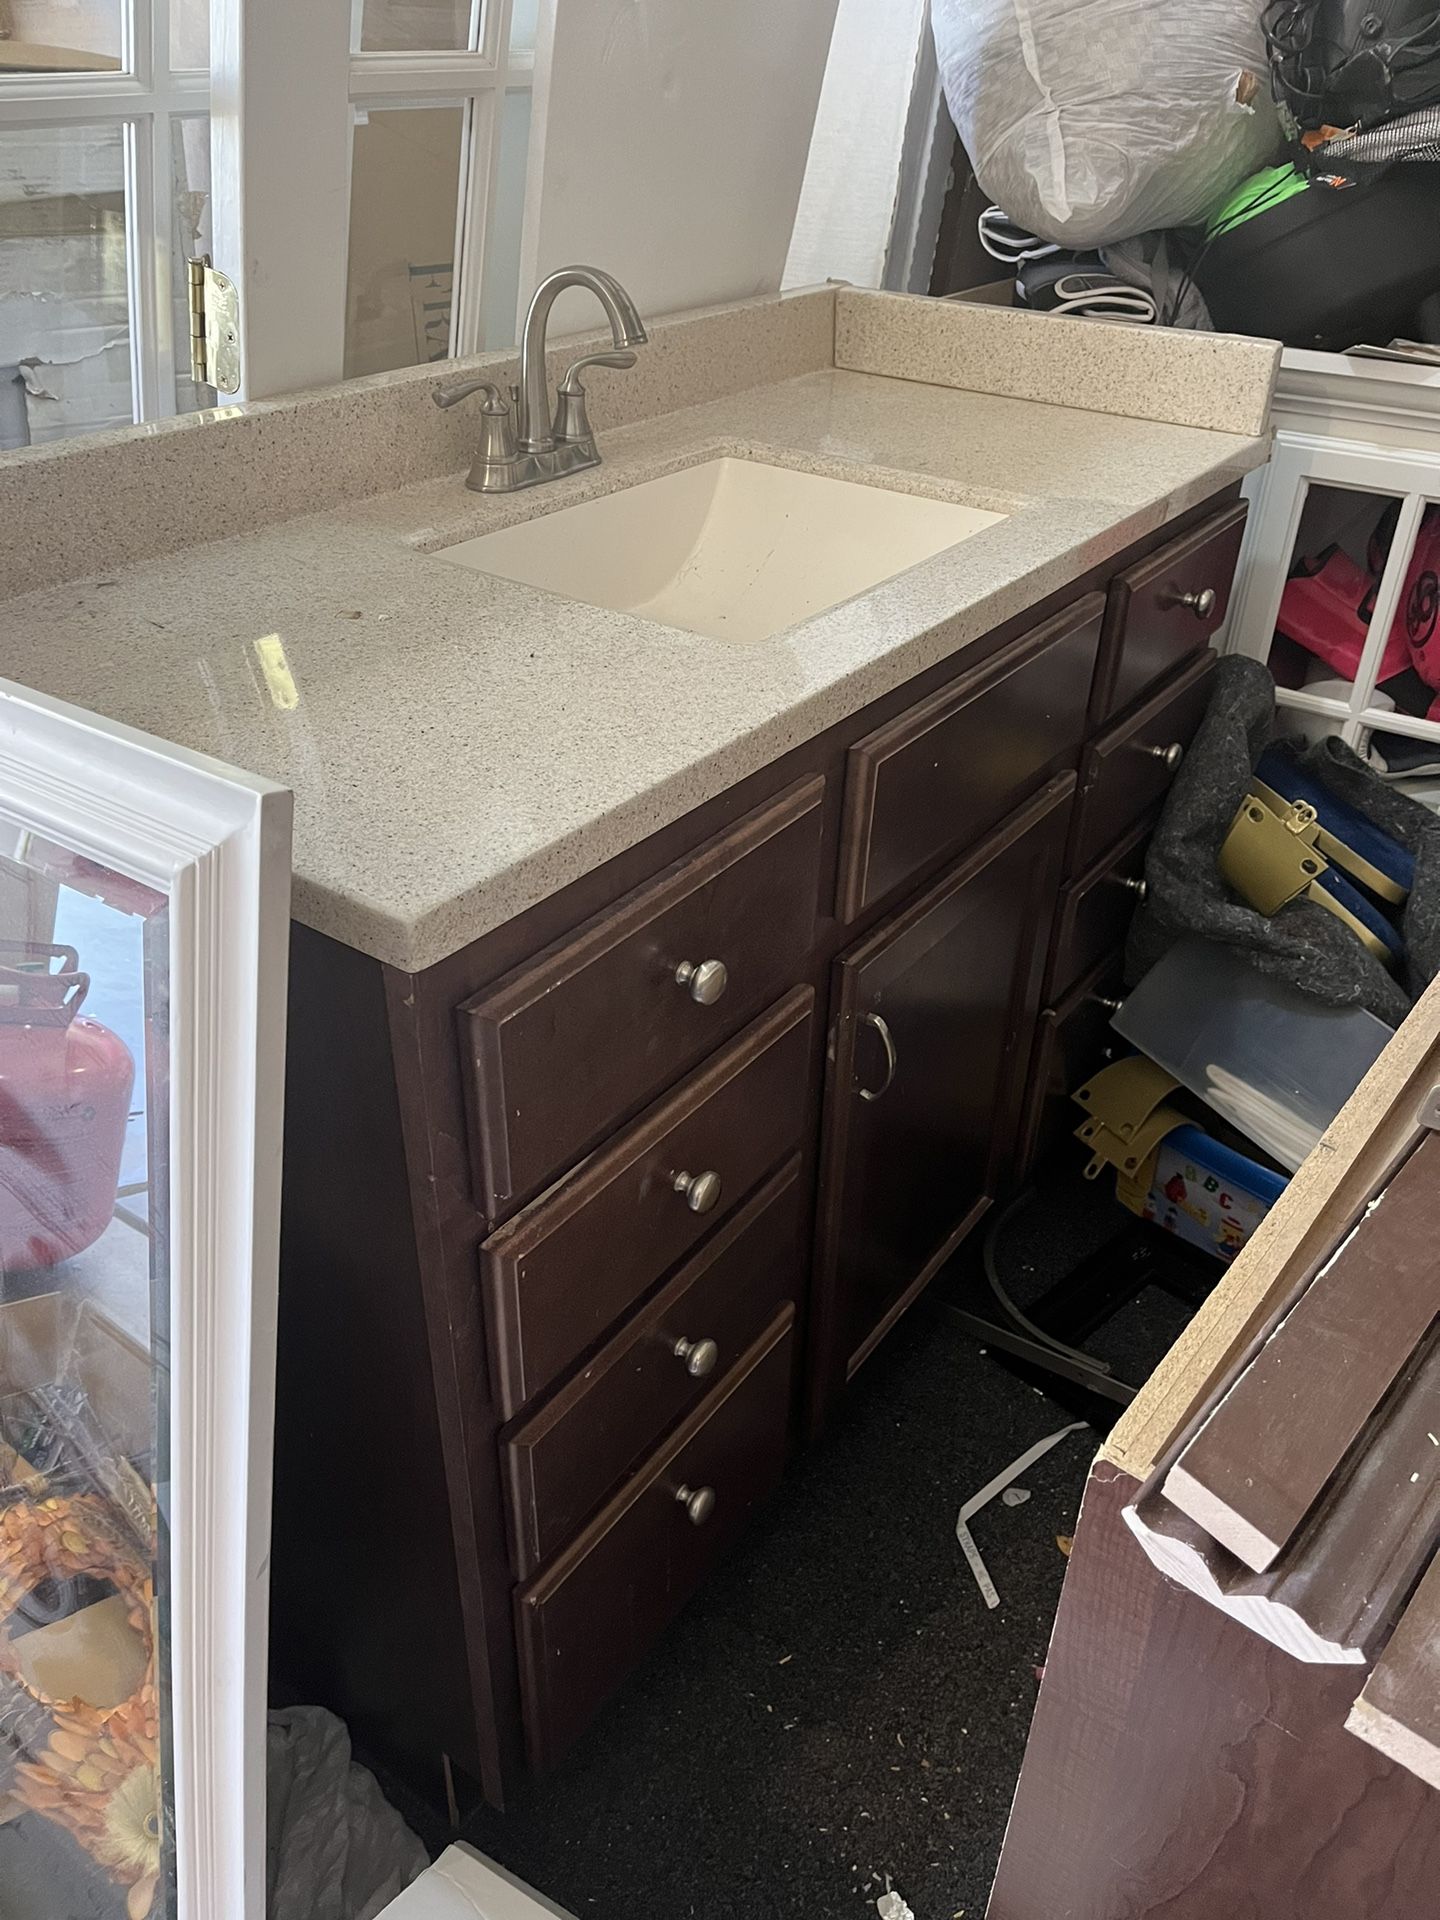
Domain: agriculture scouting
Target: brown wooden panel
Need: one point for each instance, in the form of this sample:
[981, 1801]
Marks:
[1095, 911]
[1151, 626]
[1263, 1458]
[1180, 1767]
[1072, 1041]
[563, 1461]
[587, 1620]
[1398, 1712]
[944, 773]
[565, 1269]
[933, 1019]
[1126, 772]
[567, 1046]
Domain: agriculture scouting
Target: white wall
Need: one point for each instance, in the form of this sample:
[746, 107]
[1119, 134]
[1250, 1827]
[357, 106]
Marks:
[847, 204]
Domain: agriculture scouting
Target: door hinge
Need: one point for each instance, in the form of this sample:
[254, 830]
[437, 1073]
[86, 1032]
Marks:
[214, 327]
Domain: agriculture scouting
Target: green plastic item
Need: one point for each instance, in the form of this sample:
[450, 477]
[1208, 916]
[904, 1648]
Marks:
[1271, 187]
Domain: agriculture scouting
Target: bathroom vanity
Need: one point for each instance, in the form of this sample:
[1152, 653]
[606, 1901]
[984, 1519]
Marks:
[669, 1003]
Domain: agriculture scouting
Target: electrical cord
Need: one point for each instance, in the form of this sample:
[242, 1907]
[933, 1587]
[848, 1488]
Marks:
[1100, 296]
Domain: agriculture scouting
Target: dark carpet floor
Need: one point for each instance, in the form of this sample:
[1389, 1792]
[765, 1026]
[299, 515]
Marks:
[838, 1710]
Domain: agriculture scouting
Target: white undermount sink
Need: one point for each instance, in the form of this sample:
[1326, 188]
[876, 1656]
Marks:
[736, 549]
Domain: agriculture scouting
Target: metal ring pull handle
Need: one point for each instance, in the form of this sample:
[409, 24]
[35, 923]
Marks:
[699, 1356]
[1170, 756]
[705, 979]
[701, 1191]
[892, 1059]
[1201, 601]
[698, 1502]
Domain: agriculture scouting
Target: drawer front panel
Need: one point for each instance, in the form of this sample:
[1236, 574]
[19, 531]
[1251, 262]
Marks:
[563, 1461]
[571, 1264]
[589, 1618]
[566, 1047]
[1166, 608]
[939, 777]
[1128, 770]
[1095, 910]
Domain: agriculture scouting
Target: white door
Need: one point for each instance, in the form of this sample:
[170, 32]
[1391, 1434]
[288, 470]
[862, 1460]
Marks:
[144, 898]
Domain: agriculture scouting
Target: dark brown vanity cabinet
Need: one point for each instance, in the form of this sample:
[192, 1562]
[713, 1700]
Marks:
[587, 1225]
[930, 1015]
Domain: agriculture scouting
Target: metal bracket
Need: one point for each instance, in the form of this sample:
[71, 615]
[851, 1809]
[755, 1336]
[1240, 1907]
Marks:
[214, 327]
[1128, 1120]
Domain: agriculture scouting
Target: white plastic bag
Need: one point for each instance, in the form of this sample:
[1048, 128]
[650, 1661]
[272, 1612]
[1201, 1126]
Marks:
[1090, 121]
[336, 1848]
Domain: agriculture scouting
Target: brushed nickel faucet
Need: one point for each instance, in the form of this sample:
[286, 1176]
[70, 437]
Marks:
[528, 445]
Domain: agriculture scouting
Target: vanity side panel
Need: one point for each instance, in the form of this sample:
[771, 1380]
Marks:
[366, 1595]
[1180, 1764]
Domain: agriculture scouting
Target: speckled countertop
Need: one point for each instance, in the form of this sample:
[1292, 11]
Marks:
[460, 747]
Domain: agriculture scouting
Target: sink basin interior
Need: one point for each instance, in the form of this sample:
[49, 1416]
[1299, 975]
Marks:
[736, 549]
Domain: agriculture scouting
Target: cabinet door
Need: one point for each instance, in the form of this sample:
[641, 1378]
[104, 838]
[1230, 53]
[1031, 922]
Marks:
[933, 1018]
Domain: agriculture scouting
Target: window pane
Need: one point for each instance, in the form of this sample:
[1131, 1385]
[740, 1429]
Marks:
[84, 1388]
[523, 16]
[190, 198]
[404, 192]
[64, 319]
[190, 34]
[414, 26]
[500, 289]
[60, 36]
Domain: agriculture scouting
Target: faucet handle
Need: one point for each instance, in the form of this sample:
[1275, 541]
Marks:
[446, 397]
[572, 420]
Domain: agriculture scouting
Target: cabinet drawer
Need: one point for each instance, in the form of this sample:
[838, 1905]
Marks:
[565, 1269]
[1095, 910]
[1128, 770]
[1166, 608]
[590, 1617]
[942, 775]
[563, 1461]
[573, 1042]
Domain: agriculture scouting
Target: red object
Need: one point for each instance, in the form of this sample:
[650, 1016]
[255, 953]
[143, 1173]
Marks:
[1327, 607]
[1419, 611]
[65, 1084]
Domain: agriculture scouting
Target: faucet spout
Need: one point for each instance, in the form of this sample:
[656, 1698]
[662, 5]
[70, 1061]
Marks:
[535, 425]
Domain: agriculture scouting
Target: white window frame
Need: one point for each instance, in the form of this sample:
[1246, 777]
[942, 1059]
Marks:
[274, 122]
[142, 98]
[217, 844]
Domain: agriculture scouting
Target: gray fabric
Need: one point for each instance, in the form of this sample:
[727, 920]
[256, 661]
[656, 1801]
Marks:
[1303, 944]
[1150, 261]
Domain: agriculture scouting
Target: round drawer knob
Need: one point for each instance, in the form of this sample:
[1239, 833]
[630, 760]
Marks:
[698, 1502]
[1201, 601]
[700, 1191]
[1132, 883]
[706, 980]
[1169, 757]
[699, 1356]
[1105, 1000]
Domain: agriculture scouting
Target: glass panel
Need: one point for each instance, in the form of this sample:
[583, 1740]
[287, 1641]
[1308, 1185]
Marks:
[64, 315]
[1335, 571]
[404, 192]
[500, 288]
[190, 199]
[60, 36]
[414, 26]
[190, 34]
[84, 1390]
[523, 18]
